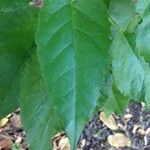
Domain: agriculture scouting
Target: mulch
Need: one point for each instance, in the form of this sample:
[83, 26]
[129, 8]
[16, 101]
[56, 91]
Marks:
[135, 125]
[137, 118]
[13, 130]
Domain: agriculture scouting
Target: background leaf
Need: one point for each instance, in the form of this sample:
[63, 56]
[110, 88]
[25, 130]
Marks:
[38, 112]
[129, 71]
[146, 82]
[113, 100]
[122, 13]
[143, 30]
[142, 7]
[17, 30]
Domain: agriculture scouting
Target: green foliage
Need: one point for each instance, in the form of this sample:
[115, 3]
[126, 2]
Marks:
[74, 57]
[143, 31]
[111, 96]
[9, 5]
[126, 63]
[17, 29]
[40, 119]
[122, 12]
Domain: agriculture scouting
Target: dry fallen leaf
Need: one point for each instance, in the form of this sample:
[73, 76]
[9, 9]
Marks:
[64, 144]
[121, 126]
[135, 128]
[143, 104]
[18, 140]
[108, 121]
[3, 122]
[83, 142]
[9, 115]
[145, 140]
[61, 142]
[141, 131]
[128, 116]
[15, 120]
[5, 142]
[118, 140]
[147, 132]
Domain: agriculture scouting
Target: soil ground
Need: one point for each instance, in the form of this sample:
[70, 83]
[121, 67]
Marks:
[130, 132]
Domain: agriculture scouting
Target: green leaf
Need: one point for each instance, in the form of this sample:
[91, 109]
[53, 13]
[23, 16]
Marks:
[111, 96]
[146, 82]
[17, 30]
[133, 24]
[142, 7]
[131, 39]
[106, 2]
[143, 33]
[72, 48]
[9, 5]
[39, 116]
[127, 70]
[122, 13]
[131, 73]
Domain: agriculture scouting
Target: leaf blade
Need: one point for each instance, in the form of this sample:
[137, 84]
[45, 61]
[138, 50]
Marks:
[34, 100]
[122, 13]
[83, 41]
[143, 32]
[127, 64]
[111, 96]
[130, 72]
